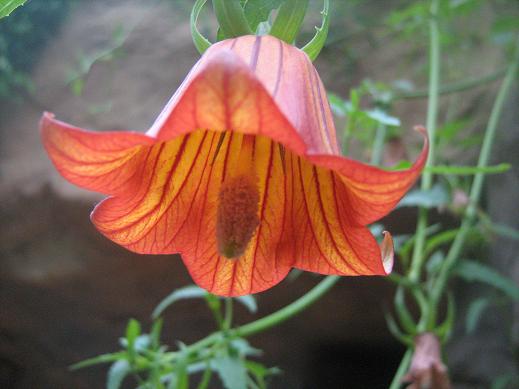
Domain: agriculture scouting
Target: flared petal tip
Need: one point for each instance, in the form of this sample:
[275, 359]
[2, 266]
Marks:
[387, 252]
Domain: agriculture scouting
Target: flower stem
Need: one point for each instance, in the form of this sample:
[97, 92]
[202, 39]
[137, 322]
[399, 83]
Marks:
[227, 321]
[290, 310]
[378, 144]
[432, 115]
[477, 185]
[268, 321]
[454, 87]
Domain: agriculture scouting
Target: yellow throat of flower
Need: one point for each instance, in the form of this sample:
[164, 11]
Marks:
[238, 203]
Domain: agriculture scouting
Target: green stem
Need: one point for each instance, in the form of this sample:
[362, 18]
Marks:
[477, 185]
[454, 87]
[402, 369]
[227, 321]
[432, 115]
[421, 227]
[268, 321]
[378, 144]
[290, 310]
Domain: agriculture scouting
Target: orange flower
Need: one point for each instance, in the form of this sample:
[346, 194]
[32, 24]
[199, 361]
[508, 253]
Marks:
[240, 174]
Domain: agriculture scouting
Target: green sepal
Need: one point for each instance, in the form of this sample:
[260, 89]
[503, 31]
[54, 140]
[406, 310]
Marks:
[289, 20]
[200, 41]
[313, 48]
[231, 18]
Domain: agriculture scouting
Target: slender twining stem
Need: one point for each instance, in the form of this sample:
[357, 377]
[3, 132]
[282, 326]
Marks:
[268, 321]
[432, 115]
[402, 369]
[227, 321]
[454, 87]
[290, 310]
[378, 144]
[477, 186]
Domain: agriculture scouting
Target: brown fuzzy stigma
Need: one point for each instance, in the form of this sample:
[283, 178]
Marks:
[237, 215]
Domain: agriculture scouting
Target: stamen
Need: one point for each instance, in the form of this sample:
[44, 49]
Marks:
[237, 215]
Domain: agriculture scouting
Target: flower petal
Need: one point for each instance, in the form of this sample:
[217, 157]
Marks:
[107, 162]
[253, 85]
[326, 241]
[175, 211]
[260, 85]
[370, 191]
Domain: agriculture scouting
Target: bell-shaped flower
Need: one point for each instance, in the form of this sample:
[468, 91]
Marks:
[240, 174]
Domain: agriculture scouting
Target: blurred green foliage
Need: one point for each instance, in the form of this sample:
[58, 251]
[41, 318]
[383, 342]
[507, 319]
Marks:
[22, 37]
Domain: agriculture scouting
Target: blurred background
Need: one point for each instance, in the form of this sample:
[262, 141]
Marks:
[66, 293]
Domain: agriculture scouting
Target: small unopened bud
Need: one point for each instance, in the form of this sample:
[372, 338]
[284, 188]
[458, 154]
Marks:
[427, 370]
[237, 215]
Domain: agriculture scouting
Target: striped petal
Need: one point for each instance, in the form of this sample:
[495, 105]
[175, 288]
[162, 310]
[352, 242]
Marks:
[164, 186]
[107, 162]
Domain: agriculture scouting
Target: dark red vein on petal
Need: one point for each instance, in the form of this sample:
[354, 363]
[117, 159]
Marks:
[310, 220]
[262, 212]
[326, 222]
[164, 187]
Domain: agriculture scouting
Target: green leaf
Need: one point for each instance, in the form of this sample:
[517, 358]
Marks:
[337, 104]
[313, 48]
[257, 11]
[77, 86]
[232, 371]
[382, 117]
[243, 348]
[104, 358]
[503, 230]
[8, 6]
[444, 330]
[434, 263]
[474, 313]
[156, 330]
[231, 18]
[504, 381]
[261, 372]
[468, 170]
[187, 292]
[249, 301]
[200, 41]
[117, 373]
[395, 331]
[133, 330]
[289, 19]
[475, 271]
[435, 197]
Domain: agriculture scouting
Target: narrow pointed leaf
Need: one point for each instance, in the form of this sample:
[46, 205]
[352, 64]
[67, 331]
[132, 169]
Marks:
[257, 11]
[468, 170]
[232, 372]
[475, 271]
[187, 292]
[231, 18]
[200, 41]
[117, 373]
[8, 6]
[313, 48]
[289, 20]
[474, 313]
[249, 302]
